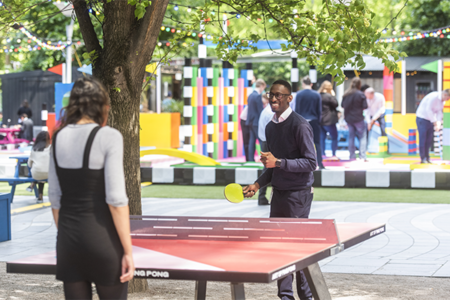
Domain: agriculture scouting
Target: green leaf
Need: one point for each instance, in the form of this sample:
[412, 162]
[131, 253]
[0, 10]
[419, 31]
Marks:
[139, 12]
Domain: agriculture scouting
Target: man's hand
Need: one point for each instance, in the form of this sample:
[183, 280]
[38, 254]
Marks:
[250, 190]
[437, 126]
[268, 160]
[369, 126]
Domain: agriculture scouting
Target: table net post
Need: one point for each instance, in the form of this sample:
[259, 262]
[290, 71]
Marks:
[237, 291]
[200, 290]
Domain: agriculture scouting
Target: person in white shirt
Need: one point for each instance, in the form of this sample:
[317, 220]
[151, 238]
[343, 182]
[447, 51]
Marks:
[428, 116]
[376, 109]
[39, 162]
[264, 119]
[245, 131]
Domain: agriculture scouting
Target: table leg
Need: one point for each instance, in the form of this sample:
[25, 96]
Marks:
[316, 282]
[200, 290]
[237, 291]
[13, 190]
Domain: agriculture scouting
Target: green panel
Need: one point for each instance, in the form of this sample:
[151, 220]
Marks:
[236, 76]
[235, 149]
[258, 149]
[215, 81]
[216, 115]
[216, 151]
[446, 153]
[446, 120]
[194, 149]
[194, 116]
[194, 76]
[235, 115]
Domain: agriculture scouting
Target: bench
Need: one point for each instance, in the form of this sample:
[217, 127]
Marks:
[5, 217]
[13, 181]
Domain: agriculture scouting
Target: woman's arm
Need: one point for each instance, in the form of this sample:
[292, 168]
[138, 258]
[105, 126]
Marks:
[121, 218]
[55, 216]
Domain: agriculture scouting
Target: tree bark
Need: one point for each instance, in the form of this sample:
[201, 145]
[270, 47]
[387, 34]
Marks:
[128, 46]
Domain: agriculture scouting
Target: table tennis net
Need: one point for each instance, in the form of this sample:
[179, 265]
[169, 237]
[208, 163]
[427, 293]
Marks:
[235, 229]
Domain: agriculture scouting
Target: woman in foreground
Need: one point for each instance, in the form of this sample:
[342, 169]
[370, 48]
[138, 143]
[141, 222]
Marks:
[88, 198]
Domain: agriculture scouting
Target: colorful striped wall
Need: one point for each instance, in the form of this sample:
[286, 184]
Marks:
[446, 127]
[213, 101]
[388, 91]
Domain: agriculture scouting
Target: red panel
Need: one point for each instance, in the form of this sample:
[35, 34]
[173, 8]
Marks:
[235, 256]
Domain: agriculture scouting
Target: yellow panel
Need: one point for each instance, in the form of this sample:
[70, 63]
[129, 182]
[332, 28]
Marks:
[402, 123]
[215, 100]
[194, 135]
[194, 97]
[189, 156]
[442, 166]
[216, 133]
[388, 118]
[156, 138]
[389, 105]
[447, 110]
[235, 132]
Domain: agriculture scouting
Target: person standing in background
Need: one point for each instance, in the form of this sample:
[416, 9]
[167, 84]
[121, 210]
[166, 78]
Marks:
[24, 109]
[255, 107]
[245, 131]
[264, 119]
[26, 127]
[354, 103]
[329, 117]
[428, 116]
[308, 104]
[377, 108]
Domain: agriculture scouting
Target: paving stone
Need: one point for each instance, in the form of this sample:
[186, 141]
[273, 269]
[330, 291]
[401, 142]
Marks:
[444, 271]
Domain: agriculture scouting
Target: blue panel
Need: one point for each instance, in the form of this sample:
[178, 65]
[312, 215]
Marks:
[226, 82]
[203, 74]
[225, 150]
[244, 75]
[205, 117]
[204, 150]
[225, 114]
[61, 89]
[389, 111]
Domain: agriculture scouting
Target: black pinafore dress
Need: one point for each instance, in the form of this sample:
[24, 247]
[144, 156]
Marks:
[88, 246]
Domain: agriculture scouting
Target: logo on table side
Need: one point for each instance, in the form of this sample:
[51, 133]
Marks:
[377, 231]
[150, 273]
[283, 272]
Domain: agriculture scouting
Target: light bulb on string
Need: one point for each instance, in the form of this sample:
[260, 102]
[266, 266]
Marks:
[270, 20]
[238, 16]
[189, 9]
[176, 7]
[294, 11]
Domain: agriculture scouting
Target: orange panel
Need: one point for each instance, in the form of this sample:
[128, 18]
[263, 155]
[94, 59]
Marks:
[225, 131]
[51, 123]
[205, 134]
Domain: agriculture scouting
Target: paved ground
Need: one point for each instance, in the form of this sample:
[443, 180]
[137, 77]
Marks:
[416, 243]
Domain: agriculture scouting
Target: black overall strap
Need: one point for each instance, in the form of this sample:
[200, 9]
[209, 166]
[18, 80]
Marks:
[87, 149]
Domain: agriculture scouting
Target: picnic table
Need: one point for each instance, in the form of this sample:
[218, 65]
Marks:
[11, 137]
[13, 181]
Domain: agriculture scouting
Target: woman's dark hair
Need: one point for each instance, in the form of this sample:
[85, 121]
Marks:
[87, 98]
[25, 103]
[355, 85]
[41, 141]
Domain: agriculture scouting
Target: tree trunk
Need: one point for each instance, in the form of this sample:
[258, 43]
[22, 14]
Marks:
[128, 46]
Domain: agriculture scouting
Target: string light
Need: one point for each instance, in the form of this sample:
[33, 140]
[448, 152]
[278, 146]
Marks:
[176, 7]
[46, 45]
[189, 9]
[238, 16]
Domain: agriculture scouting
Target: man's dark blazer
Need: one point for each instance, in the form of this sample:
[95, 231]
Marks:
[255, 107]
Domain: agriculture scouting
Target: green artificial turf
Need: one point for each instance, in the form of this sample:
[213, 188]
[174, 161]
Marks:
[20, 189]
[320, 194]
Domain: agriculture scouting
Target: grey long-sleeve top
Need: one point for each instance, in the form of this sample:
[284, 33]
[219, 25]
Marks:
[106, 152]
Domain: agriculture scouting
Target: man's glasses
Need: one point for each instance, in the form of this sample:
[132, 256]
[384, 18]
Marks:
[277, 95]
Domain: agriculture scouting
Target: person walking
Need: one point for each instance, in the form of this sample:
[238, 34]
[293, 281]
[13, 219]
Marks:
[329, 117]
[88, 198]
[290, 164]
[354, 103]
[264, 119]
[308, 104]
[376, 109]
[24, 109]
[428, 117]
[255, 107]
[39, 161]
[245, 132]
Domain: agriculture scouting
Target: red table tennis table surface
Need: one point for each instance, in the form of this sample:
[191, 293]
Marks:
[217, 260]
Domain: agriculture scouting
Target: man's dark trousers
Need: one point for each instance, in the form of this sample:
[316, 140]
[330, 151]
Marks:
[245, 138]
[262, 191]
[426, 133]
[315, 124]
[292, 204]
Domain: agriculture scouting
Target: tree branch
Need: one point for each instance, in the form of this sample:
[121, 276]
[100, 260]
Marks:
[87, 28]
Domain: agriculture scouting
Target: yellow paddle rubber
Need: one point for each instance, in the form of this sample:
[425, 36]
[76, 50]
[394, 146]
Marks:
[233, 192]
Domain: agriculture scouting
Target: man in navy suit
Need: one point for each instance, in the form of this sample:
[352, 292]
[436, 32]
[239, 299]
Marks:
[255, 107]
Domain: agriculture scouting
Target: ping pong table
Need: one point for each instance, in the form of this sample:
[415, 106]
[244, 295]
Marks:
[235, 250]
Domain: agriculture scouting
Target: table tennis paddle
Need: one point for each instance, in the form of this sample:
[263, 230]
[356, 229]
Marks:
[234, 193]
